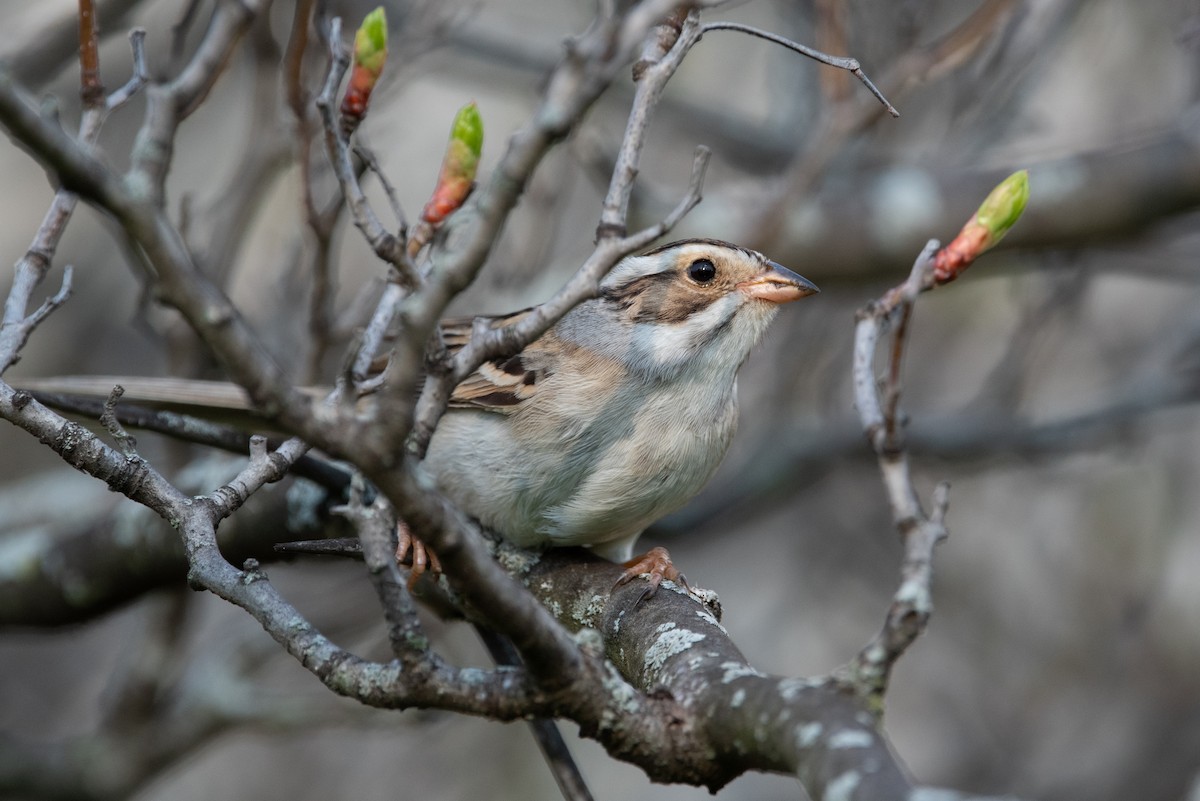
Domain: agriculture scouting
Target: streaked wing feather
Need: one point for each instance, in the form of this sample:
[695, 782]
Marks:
[501, 384]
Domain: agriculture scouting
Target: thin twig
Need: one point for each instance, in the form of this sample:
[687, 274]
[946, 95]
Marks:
[387, 246]
[30, 271]
[293, 61]
[550, 741]
[767, 219]
[91, 89]
[662, 55]
[841, 62]
[265, 466]
[169, 104]
[108, 418]
[179, 32]
[137, 41]
[368, 156]
[375, 332]
[193, 429]
[912, 604]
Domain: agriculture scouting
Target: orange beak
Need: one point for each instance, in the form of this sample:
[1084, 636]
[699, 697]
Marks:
[778, 285]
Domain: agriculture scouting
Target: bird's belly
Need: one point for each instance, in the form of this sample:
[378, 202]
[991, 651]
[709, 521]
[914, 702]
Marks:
[616, 502]
[598, 481]
[662, 462]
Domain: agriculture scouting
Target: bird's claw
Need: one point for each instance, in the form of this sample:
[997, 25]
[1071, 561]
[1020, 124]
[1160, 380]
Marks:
[656, 565]
[423, 559]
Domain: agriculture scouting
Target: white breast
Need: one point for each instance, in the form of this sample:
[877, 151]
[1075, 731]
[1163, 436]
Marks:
[583, 478]
[669, 448]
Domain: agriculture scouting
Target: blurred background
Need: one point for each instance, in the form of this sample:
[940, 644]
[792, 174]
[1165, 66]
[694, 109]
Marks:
[1054, 385]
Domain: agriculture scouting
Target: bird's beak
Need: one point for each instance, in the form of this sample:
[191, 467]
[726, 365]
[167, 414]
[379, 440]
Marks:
[778, 285]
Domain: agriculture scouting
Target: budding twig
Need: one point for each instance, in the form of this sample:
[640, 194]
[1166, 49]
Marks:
[912, 604]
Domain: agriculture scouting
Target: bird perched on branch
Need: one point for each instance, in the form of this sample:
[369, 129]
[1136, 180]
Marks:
[615, 417]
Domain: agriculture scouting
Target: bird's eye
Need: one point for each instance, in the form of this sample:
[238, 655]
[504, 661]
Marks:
[702, 271]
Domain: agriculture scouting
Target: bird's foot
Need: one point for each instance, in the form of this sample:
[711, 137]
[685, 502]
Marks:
[423, 559]
[656, 565]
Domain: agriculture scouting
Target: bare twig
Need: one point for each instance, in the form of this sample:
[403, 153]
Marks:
[137, 41]
[108, 419]
[664, 51]
[368, 156]
[168, 104]
[386, 245]
[39, 55]
[841, 62]
[913, 602]
[376, 330]
[554, 749]
[293, 60]
[30, 271]
[920, 532]
[767, 222]
[375, 524]
[264, 467]
[180, 30]
[91, 90]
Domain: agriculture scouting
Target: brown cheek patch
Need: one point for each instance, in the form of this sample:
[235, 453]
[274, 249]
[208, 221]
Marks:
[661, 298]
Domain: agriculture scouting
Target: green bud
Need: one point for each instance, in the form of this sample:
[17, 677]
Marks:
[370, 42]
[468, 129]
[1004, 206]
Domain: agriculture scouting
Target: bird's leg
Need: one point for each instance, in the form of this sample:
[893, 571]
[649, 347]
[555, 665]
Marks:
[423, 559]
[656, 565]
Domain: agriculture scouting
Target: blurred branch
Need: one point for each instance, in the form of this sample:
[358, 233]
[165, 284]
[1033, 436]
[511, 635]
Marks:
[851, 65]
[554, 749]
[169, 104]
[804, 454]
[30, 271]
[266, 153]
[39, 56]
[62, 573]
[168, 705]
[1083, 200]
[767, 221]
[91, 90]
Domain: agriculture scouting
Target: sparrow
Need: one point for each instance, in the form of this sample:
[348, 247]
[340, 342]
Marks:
[615, 417]
[620, 413]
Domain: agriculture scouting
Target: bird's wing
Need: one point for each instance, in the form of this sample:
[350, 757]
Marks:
[502, 384]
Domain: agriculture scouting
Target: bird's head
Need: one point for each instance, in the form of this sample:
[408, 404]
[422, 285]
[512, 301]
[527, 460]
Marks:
[697, 301]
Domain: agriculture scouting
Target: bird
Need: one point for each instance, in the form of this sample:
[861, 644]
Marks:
[616, 416]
